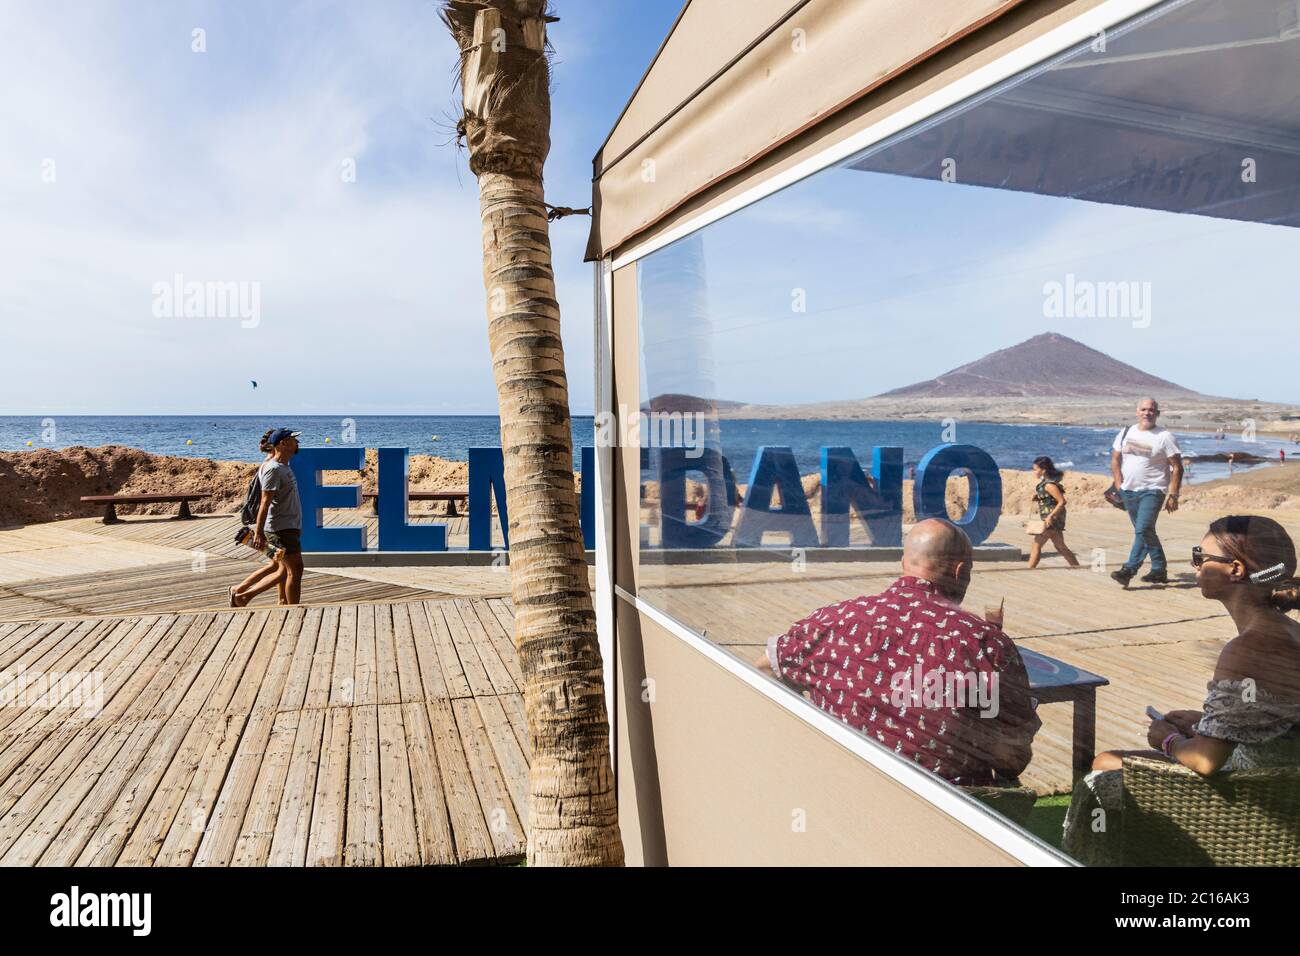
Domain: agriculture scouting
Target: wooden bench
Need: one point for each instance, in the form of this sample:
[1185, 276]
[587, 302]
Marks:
[110, 503]
[449, 495]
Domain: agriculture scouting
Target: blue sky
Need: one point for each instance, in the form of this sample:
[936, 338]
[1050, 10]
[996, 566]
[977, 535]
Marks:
[858, 280]
[903, 279]
[127, 158]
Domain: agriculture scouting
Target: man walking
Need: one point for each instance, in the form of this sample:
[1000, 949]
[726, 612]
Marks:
[281, 513]
[1147, 466]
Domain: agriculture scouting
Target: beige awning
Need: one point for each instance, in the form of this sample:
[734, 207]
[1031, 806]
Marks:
[738, 78]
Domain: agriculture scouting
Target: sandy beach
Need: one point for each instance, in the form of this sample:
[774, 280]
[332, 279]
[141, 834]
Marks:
[1182, 414]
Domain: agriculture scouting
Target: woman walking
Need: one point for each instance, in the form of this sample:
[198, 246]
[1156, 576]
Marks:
[274, 568]
[1050, 498]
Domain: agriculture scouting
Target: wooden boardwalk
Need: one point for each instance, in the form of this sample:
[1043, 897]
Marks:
[214, 534]
[360, 735]
[383, 724]
[170, 587]
[82, 567]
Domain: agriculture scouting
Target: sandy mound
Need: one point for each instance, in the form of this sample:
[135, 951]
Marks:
[46, 485]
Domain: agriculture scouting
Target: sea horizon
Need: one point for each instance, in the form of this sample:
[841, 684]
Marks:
[1013, 446]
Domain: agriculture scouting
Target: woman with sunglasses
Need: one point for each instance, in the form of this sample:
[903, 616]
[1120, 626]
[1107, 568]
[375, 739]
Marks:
[1251, 715]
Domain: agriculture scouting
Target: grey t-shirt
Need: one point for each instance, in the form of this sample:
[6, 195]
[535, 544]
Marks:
[286, 509]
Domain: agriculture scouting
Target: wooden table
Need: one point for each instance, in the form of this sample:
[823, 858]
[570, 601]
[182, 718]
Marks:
[1055, 682]
[110, 503]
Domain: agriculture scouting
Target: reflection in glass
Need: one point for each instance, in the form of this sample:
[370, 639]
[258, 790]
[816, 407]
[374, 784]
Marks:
[903, 337]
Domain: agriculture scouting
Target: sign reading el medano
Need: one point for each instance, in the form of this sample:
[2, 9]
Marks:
[877, 499]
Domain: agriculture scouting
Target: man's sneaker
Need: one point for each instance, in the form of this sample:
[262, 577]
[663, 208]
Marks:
[1156, 577]
[1123, 576]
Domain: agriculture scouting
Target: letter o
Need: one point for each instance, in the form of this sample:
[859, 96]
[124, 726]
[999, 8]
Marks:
[929, 493]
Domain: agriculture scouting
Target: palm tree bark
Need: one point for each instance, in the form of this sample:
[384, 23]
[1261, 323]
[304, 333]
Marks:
[572, 813]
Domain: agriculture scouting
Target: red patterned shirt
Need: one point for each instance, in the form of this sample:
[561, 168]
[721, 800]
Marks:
[919, 675]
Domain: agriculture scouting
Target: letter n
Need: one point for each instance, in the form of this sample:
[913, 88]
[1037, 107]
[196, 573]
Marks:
[879, 503]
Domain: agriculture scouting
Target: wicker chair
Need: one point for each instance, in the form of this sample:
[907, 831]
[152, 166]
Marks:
[1175, 817]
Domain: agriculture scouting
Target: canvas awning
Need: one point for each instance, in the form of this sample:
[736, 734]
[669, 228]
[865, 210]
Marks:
[1200, 116]
[736, 79]
[728, 89]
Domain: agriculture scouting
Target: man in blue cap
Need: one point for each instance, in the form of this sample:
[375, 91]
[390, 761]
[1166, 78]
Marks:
[279, 518]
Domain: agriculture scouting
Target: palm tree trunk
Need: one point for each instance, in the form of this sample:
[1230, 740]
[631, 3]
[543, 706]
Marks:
[572, 813]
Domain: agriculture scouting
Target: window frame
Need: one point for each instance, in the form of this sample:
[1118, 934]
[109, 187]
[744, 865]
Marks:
[1036, 55]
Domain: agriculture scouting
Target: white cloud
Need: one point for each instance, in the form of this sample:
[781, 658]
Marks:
[225, 166]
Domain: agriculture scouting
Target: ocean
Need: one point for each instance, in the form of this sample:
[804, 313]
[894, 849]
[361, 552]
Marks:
[235, 438]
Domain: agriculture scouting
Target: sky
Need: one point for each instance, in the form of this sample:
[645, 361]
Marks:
[297, 156]
[901, 279]
[880, 272]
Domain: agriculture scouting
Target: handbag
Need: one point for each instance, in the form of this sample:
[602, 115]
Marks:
[1111, 494]
[1035, 527]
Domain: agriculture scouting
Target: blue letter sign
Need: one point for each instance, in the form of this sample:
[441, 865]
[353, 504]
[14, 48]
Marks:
[775, 470]
[396, 533]
[674, 465]
[879, 502]
[307, 466]
[930, 490]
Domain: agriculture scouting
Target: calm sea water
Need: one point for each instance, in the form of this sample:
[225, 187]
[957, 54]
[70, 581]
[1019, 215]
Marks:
[234, 438]
[450, 436]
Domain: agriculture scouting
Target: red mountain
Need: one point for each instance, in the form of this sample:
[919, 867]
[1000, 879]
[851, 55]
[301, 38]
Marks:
[1047, 366]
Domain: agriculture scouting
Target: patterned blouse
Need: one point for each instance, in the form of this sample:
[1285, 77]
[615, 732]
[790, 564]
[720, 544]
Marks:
[1047, 504]
[1266, 729]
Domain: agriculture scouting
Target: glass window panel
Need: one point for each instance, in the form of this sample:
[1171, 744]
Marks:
[902, 336]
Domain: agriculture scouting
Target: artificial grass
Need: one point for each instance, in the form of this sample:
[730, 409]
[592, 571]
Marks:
[1048, 817]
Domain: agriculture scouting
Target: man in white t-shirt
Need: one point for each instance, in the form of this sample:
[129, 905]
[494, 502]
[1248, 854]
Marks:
[1147, 466]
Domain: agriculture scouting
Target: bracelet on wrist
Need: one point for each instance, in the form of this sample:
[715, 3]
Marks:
[1168, 741]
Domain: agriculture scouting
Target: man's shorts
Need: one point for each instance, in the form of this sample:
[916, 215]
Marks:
[289, 540]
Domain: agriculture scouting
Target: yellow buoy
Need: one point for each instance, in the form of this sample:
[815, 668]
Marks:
[189, 441]
[327, 439]
[29, 444]
[435, 437]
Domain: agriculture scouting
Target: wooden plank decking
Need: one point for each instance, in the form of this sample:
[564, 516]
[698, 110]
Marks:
[174, 586]
[362, 734]
[384, 724]
[153, 565]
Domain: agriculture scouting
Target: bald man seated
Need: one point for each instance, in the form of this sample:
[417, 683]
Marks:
[914, 672]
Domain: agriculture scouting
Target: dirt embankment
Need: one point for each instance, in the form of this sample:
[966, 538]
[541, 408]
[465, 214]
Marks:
[46, 485]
